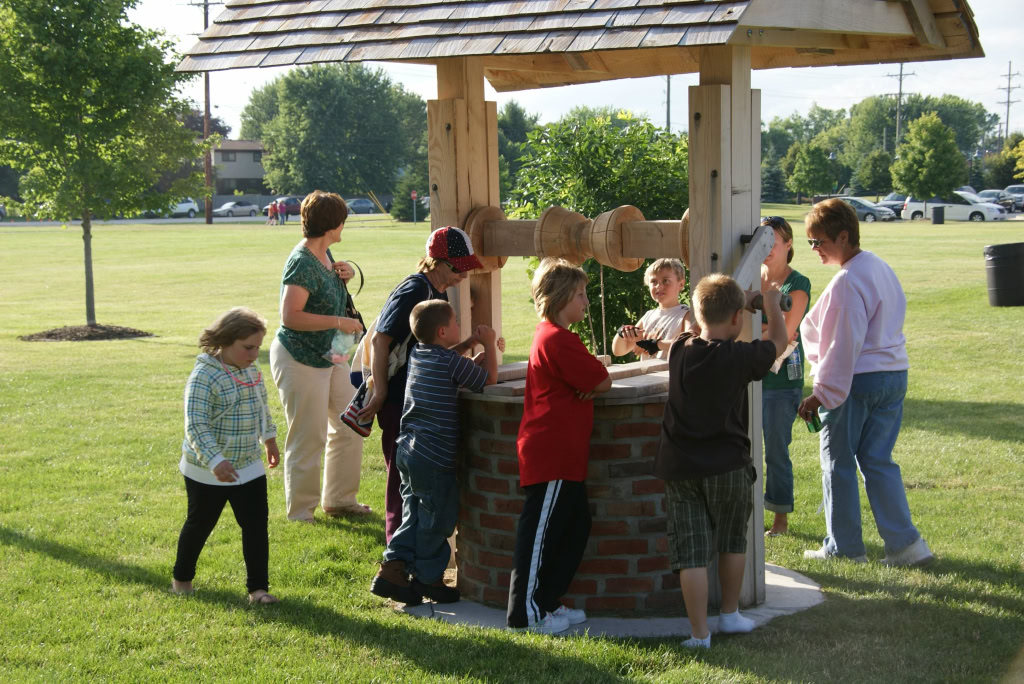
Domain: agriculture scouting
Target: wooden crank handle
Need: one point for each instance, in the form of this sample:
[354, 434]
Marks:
[785, 303]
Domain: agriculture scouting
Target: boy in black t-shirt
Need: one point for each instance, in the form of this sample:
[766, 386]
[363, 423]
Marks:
[704, 455]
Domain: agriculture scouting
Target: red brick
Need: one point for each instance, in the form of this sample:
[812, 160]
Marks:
[479, 424]
[498, 522]
[597, 471]
[664, 599]
[570, 602]
[612, 412]
[616, 547]
[616, 508]
[501, 542]
[510, 427]
[583, 586]
[468, 499]
[467, 516]
[653, 525]
[634, 468]
[650, 448]
[654, 410]
[508, 466]
[466, 553]
[650, 486]
[661, 544]
[490, 484]
[620, 604]
[628, 585]
[495, 596]
[652, 564]
[604, 452]
[607, 528]
[497, 446]
[475, 573]
[603, 566]
[469, 589]
[501, 409]
[470, 535]
[495, 560]
[482, 463]
[670, 581]
[504, 579]
[507, 505]
[651, 429]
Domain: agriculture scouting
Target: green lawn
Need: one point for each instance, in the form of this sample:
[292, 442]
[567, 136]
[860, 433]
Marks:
[91, 500]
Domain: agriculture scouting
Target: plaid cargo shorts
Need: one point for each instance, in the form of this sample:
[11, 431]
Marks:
[697, 509]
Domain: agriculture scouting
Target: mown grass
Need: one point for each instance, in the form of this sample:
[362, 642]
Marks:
[91, 500]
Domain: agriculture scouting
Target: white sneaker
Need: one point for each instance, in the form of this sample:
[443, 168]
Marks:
[694, 642]
[916, 554]
[574, 615]
[549, 624]
[734, 623]
[822, 554]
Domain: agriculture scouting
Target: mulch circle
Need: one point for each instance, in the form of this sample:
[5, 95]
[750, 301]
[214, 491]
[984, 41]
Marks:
[85, 333]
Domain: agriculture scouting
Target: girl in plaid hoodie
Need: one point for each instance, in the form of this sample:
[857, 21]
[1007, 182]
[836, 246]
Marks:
[226, 418]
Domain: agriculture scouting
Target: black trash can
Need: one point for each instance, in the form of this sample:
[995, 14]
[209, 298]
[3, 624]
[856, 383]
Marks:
[1004, 270]
[938, 215]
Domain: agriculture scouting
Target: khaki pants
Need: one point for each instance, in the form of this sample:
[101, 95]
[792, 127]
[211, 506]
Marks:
[313, 398]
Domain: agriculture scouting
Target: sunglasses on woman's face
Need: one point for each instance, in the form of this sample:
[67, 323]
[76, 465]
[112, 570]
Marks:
[814, 243]
[773, 221]
[449, 264]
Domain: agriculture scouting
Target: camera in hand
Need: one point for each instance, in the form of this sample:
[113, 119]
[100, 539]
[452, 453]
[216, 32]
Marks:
[649, 346]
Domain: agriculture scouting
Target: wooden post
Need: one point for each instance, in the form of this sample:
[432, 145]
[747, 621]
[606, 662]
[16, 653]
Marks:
[725, 167]
[463, 157]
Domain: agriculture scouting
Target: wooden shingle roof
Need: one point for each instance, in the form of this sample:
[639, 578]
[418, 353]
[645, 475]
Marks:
[536, 43]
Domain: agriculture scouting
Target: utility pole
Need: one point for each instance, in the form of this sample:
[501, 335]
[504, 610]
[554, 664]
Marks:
[207, 159]
[1009, 89]
[899, 103]
[668, 102]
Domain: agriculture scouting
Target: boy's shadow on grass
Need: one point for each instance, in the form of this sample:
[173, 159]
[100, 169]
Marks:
[478, 654]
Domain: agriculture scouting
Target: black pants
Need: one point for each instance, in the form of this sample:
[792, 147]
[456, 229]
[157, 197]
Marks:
[552, 535]
[205, 503]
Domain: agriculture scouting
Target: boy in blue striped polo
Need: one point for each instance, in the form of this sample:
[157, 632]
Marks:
[418, 553]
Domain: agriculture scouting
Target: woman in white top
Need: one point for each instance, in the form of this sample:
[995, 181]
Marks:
[853, 338]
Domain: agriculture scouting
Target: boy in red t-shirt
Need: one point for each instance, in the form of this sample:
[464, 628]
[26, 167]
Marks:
[554, 447]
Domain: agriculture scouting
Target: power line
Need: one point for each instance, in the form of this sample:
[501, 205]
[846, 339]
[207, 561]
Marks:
[1009, 89]
[899, 102]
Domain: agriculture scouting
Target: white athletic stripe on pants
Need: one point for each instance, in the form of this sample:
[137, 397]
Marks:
[534, 613]
[313, 398]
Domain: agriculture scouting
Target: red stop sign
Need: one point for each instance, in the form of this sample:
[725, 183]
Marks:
[413, 194]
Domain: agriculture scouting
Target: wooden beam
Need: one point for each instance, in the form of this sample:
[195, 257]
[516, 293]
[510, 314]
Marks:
[773, 37]
[834, 16]
[922, 20]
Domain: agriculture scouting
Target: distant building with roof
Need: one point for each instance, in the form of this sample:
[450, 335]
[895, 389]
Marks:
[239, 166]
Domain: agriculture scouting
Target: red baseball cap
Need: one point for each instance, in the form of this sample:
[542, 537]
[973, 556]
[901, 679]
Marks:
[453, 245]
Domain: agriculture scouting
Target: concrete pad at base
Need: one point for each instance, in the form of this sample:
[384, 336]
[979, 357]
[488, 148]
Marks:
[786, 592]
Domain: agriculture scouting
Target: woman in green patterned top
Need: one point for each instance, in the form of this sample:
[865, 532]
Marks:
[313, 390]
[782, 391]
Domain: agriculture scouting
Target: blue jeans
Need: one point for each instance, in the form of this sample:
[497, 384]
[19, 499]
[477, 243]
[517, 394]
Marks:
[861, 433]
[778, 411]
[430, 509]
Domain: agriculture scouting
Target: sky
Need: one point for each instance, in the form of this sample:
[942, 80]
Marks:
[783, 91]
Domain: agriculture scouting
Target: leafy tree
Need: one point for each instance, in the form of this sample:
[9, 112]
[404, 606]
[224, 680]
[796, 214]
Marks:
[929, 162]
[872, 125]
[416, 177]
[614, 116]
[9, 179]
[193, 121]
[89, 112]
[1018, 153]
[873, 175]
[344, 128]
[999, 169]
[592, 167]
[820, 119]
[811, 172]
[514, 124]
[970, 121]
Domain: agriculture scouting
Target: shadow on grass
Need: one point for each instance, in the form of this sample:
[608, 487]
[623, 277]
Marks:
[969, 418]
[479, 654]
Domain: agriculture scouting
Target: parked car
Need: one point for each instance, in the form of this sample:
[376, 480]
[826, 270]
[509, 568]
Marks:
[361, 206]
[1018, 195]
[893, 201]
[966, 188]
[236, 208]
[868, 211]
[1000, 197]
[960, 206]
[183, 207]
[292, 203]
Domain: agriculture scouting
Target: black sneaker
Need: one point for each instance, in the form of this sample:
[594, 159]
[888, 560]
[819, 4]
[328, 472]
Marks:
[439, 592]
[391, 582]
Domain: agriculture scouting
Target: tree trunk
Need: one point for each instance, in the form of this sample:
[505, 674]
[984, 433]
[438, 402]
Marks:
[90, 302]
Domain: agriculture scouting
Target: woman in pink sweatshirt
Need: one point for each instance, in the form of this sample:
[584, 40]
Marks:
[853, 339]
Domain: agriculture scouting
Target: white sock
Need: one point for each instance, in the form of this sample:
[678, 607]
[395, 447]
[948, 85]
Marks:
[694, 642]
[734, 622]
